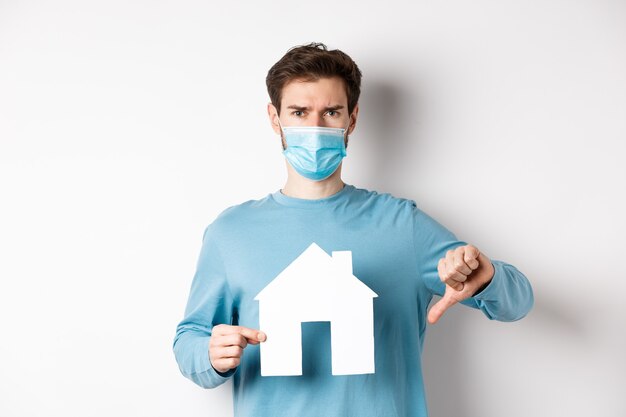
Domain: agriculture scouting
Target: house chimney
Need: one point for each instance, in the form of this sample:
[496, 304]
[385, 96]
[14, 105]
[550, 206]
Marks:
[343, 260]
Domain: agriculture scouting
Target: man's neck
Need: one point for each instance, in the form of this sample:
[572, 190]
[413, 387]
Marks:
[299, 187]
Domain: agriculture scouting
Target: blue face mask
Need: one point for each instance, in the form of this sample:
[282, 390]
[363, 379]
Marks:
[314, 152]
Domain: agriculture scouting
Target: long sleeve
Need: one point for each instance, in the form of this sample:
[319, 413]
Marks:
[209, 303]
[509, 295]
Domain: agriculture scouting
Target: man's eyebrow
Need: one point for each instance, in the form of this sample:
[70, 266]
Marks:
[301, 108]
[293, 106]
[337, 107]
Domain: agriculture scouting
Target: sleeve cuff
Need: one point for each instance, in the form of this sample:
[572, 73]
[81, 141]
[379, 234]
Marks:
[226, 374]
[203, 363]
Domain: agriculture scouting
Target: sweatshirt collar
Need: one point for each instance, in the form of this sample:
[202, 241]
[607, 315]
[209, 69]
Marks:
[286, 200]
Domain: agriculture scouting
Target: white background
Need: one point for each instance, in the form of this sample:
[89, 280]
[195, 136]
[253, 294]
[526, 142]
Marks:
[127, 126]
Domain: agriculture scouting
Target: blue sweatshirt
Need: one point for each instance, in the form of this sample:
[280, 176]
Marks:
[395, 250]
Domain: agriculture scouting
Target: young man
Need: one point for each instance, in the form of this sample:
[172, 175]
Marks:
[397, 250]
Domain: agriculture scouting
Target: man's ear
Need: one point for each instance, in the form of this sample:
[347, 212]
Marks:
[353, 117]
[272, 113]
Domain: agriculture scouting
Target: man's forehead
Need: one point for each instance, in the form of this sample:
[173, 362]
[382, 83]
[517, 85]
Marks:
[327, 92]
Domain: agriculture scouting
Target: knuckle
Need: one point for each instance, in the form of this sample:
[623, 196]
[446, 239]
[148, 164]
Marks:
[216, 340]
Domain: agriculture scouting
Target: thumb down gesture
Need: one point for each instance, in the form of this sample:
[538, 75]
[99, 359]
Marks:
[465, 271]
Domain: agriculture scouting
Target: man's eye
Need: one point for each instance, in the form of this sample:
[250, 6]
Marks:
[298, 113]
[331, 112]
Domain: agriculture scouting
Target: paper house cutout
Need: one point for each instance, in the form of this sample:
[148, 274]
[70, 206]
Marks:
[317, 287]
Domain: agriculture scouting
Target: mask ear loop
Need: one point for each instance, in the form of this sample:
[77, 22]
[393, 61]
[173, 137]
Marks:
[279, 125]
[282, 133]
[345, 136]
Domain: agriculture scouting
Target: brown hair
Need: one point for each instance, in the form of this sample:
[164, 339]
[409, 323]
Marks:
[312, 62]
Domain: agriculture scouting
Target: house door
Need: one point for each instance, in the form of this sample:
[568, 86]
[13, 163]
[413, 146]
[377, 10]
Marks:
[316, 350]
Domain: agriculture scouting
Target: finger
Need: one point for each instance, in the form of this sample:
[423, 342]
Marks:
[452, 272]
[440, 307]
[225, 329]
[443, 275]
[231, 340]
[229, 352]
[220, 329]
[253, 336]
[448, 277]
[225, 364]
[459, 261]
[471, 256]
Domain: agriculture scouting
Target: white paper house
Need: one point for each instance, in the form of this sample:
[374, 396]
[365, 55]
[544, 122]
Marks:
[317, 287]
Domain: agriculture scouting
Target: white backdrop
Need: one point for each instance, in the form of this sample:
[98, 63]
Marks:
[127, 126]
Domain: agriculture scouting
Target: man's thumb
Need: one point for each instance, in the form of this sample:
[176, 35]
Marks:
[440, 307]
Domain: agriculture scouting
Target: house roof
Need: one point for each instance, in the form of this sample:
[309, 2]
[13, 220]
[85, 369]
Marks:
[315, 272]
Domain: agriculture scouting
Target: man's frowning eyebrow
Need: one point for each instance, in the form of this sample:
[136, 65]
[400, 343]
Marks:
[305, 108]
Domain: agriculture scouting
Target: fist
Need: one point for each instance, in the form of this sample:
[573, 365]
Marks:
[465, 271]
[227, 345]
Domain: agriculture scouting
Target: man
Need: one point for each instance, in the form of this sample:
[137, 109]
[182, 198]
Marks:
[398, 251]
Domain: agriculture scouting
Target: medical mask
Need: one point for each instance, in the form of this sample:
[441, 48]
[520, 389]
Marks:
[314, 152]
